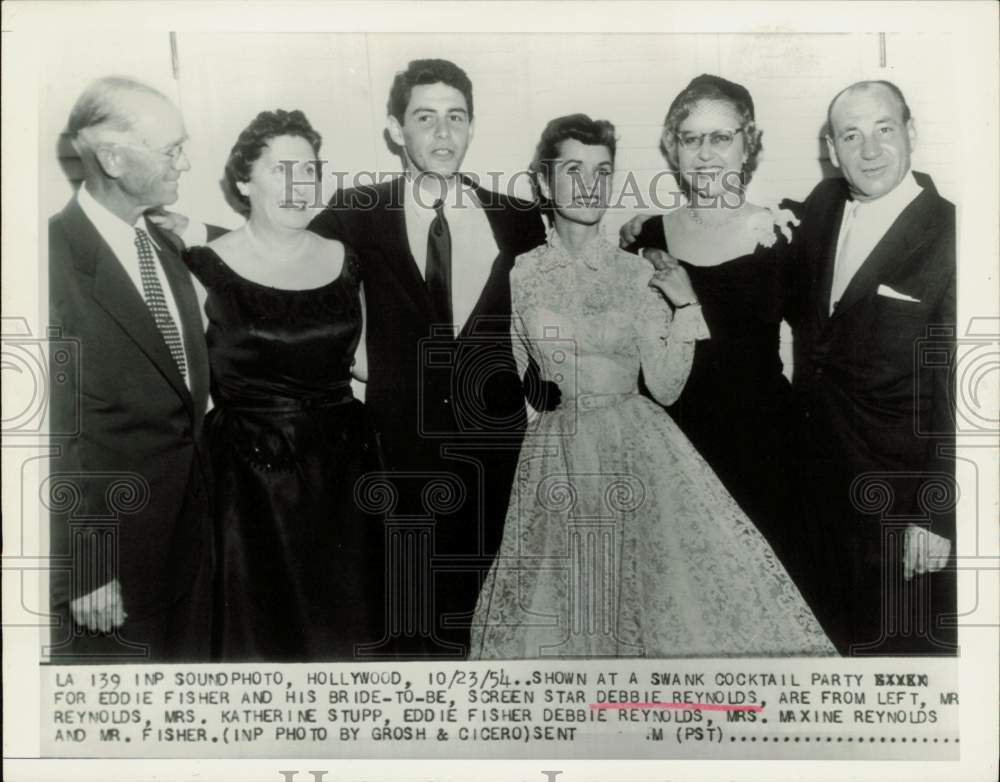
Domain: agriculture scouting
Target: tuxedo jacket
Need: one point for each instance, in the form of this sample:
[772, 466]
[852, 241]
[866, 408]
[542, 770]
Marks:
[874, 377]
[426, 389]
[128, 429]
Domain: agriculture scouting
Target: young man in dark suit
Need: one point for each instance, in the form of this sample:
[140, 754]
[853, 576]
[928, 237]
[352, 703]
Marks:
[130, 491]
[874, 349]
[435, 252]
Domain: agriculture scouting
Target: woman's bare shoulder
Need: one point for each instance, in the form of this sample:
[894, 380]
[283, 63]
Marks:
[332, 251]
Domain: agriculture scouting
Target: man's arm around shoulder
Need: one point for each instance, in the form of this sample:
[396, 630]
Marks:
[343, 216]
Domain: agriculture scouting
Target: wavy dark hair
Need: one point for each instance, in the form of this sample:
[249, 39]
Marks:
[580, 127]
[420, 72]
[708, 87]
[258, 134]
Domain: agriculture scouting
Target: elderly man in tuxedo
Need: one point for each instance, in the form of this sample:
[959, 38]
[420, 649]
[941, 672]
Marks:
[137, 538]
[874, 346]
[435, 252]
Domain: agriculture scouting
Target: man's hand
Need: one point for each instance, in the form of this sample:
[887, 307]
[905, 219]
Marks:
[101, 609]
[192, 232]
[543, 395]
[628, 234]
[923, 552]
[169, 221]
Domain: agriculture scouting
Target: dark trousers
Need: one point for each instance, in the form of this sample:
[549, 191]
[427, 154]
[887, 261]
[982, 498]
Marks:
[181, 632]
[857, 591]
[440, 540]
[891, 615]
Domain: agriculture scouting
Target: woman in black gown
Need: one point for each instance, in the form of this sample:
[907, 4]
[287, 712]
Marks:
[298, 561]
[736, 407]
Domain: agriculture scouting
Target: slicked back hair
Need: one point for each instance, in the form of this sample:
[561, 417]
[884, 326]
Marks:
[101, 105]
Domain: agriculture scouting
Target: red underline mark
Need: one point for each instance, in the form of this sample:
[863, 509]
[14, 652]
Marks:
[701, 706]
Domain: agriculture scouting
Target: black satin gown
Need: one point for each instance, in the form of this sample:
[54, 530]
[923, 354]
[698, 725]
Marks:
[737, 405]
[300, 562]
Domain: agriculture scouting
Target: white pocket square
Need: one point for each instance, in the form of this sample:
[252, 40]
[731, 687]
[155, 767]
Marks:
[889, 293]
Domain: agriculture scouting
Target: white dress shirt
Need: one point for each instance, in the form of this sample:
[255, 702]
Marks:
[862, 227]
[473, 248]
[120, 237]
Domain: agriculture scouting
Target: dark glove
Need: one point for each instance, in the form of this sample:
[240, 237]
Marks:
[543, 395]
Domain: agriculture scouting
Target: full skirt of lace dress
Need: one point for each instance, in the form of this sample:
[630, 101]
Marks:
[620, 540]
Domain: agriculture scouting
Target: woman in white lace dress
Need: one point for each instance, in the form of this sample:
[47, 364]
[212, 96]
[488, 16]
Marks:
[619, 540]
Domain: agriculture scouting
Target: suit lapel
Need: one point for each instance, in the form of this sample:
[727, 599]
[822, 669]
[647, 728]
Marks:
[498, 282]
[116, 294]
[491, 300]
[829, 259]
[495, 216]
[192, 326]
[910, 229]
[389, 228]
[829, 234]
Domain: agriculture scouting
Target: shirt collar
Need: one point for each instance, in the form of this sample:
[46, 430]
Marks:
[460, 195]
[896, 200]
[593, 256]
[115, 231]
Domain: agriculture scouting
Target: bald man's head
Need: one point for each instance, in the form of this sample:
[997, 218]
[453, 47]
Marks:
[862, 86]
[113, 104]
[870, 138]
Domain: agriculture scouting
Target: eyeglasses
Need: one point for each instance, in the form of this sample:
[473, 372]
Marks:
[174, 152]
[719, 140]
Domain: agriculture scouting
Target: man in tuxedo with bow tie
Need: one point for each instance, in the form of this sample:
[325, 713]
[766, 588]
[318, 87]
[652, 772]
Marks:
[435, 252]
[874, 351]
[137, 536]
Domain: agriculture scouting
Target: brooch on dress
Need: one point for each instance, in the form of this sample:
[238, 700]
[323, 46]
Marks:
[763, 223]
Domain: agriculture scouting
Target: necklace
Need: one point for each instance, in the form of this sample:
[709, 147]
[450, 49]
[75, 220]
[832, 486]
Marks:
[695, 213]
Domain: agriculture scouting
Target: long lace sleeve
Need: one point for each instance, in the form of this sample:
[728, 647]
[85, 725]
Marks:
[666, 341]
[520, 342]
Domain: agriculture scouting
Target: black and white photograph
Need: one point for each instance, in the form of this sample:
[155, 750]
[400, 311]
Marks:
[617, 386]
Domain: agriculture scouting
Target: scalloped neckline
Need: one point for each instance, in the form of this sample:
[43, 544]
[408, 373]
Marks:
[255, 284]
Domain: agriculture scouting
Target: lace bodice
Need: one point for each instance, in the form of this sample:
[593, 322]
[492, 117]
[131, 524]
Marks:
[592, 322]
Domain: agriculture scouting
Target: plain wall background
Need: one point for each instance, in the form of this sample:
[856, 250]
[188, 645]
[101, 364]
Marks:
[341, 82]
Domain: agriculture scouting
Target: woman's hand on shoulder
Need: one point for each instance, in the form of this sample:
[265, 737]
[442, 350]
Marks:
[629, 233]
[782, 219]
